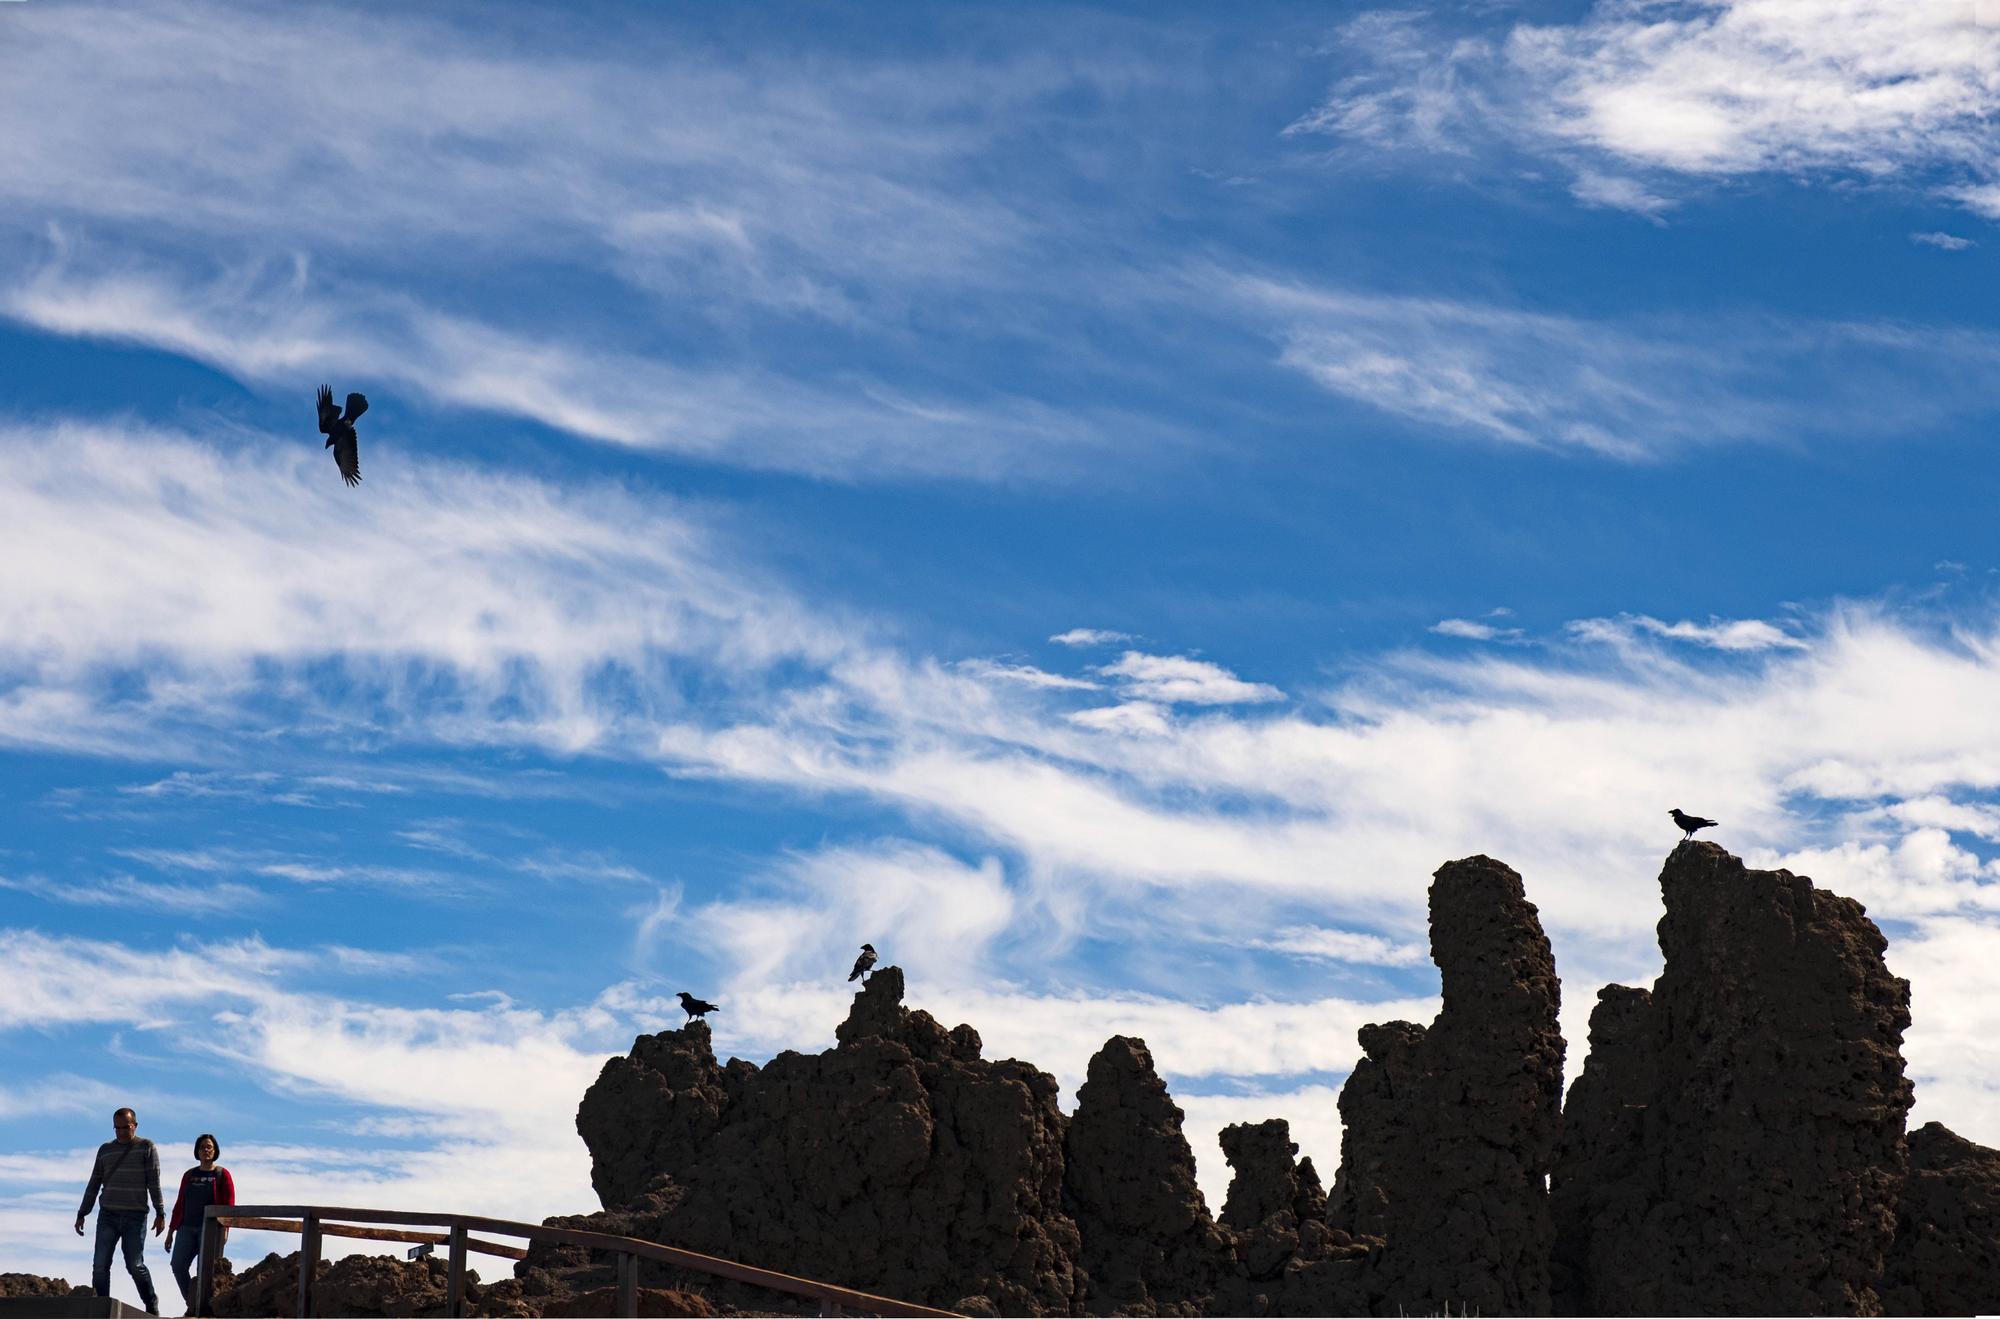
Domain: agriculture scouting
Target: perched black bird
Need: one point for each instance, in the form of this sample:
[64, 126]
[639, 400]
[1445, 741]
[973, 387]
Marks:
[694, 1007]
[339, 432]
[1689, 823]
[863, 962]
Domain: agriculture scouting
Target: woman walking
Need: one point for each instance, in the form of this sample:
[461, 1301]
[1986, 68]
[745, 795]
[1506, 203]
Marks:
[206, 1184]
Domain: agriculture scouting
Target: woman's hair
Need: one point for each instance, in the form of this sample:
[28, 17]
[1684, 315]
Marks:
[204, 1136]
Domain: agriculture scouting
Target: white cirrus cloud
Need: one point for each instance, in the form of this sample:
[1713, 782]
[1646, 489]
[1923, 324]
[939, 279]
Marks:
[1636, 388]
[1137, 718]
[1471, 629]
[1027, 675]
[1943, 241]
[1089, 636]
[1742, 635]
[1182, 680]
[1688, 90]
[1345, 946]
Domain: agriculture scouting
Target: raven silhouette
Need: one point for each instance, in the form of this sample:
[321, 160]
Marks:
[339, 432]
[1689, 823]
[863, 962]
[694, 1007]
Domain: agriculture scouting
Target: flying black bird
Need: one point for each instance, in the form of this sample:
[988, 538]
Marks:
[339, 432]
[694, 1007]
[863, 962]
[1689, 823]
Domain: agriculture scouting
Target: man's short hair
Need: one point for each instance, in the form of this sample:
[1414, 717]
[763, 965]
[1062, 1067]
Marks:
[125, 1112]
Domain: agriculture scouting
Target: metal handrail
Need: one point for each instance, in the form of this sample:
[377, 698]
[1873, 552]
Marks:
[315, 1221]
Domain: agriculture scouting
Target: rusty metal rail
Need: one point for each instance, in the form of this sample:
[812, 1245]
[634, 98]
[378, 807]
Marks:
[314, 1222]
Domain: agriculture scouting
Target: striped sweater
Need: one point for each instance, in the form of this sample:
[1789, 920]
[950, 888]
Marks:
[128, 1175]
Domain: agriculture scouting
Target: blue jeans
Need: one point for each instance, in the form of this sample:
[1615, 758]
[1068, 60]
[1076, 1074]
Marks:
[125, 1228]
[187, 1248]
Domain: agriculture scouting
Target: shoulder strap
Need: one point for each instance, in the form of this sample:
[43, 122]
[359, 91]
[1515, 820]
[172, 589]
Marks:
[121, 1161]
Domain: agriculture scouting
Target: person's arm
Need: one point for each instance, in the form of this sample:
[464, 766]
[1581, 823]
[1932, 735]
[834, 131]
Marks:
[153, 1188]
[225, 1194]
[90, 1191]
[180, 1198]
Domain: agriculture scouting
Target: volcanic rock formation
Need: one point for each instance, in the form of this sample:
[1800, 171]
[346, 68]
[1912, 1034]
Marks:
[1734, 1145]
[899, 1162]
[1946, 1255]
[1148, 1244]
[1287, 1259]
[1740, 1148]
[1451, 1130]
[33, 1284]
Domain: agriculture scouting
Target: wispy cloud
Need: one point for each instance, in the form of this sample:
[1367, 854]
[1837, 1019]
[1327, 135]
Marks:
[1472, 629]
[126, 891]
[1630, 388]
[1345, 946]
[276, 330]
[1619, 193]
[1027, 675]
[859, 198]
[1182, 680]
[1686, 91]
[1089, 636]
[1737, 634]
[1943, 241]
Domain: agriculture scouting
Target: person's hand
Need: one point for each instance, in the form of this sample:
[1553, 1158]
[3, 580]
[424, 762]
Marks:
[79, 1227]
[159, 1224]
[169, 1242]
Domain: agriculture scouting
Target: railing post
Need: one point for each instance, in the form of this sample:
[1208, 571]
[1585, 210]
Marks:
[628, 1286]
[308, 1263]
[211, 1253]
[454, 1281]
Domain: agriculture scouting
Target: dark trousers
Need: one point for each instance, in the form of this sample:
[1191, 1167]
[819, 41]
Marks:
[187, 1249]
[126, 1229]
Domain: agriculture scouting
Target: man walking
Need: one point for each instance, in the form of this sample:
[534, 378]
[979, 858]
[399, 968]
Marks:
[128, 1172]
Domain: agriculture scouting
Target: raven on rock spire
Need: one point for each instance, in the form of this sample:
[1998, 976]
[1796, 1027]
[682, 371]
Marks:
[1689, 823]
[339, 432]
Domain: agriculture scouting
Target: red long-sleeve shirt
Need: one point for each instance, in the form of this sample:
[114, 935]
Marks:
[199, 1190]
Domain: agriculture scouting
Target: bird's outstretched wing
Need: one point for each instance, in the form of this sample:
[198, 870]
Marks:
[347, 456]
[356, 405]
[329, 414]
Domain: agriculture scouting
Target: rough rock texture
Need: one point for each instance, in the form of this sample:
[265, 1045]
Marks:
[1451, 1130]
[1770, 1148]
[1287, 1259]
[667, 1096]
[360, 1285]
[1149, 1246]
[1946, 1255]
[654, 1303]
[1596, 1162]
[32, 1284]
[898, 1162]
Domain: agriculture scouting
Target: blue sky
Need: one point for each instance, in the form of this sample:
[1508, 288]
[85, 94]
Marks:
[1099, 503]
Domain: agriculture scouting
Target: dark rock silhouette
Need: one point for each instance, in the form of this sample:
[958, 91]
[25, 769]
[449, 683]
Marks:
[1945, 1258]
[33, 1284]
[1734, 1145]
[1597, 1174]
[1761, 1174]
[1149, 1246]
[898, 1162]
[362, 1285]
[1287, 1259]
[1451, 1130]
[648, 1109]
